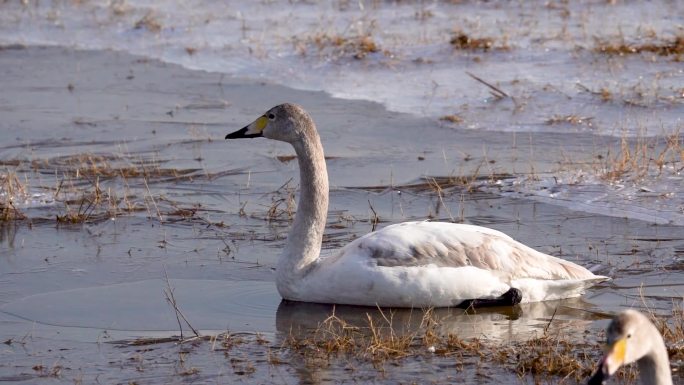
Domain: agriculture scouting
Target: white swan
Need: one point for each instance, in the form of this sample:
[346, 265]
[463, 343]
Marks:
[412, 264]
[633, 338]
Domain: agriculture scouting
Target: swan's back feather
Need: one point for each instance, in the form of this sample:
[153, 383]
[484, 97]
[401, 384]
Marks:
[459, 245]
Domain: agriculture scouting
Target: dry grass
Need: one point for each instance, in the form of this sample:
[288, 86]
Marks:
[283, 204]
[603, 93]
[95, 187]
[282, 208]
[462, 41]
[557, 356]
[10, 188]
[641, 157]
[378, 341]
[440, 184]
[339, 46]
[87, 166]
[92, 205]
[553, 356]
[664, 47]
[149, 22]
[43, 371]
[574, 120]
[453, 118]
[356, 41]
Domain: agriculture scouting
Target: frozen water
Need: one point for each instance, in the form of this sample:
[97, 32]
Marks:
[542, 56]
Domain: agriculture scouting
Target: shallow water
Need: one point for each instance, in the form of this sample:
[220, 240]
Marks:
[144, 140]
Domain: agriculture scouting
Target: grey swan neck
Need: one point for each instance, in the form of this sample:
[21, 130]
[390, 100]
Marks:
[304, 240]
[654, 368]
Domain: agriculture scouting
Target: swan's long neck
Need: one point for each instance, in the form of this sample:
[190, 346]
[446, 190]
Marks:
[304, 241]
[654, 368]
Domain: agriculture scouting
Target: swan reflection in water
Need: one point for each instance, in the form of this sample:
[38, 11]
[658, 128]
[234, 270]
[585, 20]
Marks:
[505, 324]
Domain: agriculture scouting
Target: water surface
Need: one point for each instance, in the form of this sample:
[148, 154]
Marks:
[113, 156]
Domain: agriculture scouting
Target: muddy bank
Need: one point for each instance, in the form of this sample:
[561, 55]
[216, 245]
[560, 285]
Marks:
[120, 178]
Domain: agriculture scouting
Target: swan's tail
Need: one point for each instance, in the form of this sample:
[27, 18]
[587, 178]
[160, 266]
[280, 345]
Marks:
[535, 290]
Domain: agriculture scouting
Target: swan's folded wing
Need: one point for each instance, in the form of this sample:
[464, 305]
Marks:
[456, 245]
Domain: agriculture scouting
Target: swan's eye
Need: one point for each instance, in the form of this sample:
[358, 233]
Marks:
[629, 335]
[271, 116]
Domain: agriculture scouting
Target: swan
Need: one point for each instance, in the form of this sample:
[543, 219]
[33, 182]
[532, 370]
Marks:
[411, 264]
[632, 337]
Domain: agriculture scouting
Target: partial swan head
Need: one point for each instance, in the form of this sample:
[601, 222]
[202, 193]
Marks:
[631, 337]
[285, 122]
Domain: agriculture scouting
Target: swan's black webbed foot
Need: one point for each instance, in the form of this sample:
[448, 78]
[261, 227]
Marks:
[512, 297]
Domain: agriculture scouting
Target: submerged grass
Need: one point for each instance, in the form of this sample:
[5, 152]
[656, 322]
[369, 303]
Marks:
[94, 187]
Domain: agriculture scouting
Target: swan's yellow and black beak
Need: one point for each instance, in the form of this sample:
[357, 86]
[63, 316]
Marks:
[611, 361]
[253, 130]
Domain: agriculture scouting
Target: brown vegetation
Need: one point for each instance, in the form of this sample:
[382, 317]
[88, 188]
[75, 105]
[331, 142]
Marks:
[642, 157]
[665, 47]
[334, 336]
[149, 22]
[378, 339]
[548, 356]
[552, 356]
[453, 118]
[463, 41]
[575, 120]
[10, 188]
[82, 190]
[338, 46]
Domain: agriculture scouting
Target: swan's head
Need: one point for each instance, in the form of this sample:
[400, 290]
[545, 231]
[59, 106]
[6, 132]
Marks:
[286, 122]
[630, 336]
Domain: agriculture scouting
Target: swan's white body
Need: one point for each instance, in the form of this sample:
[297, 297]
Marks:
[412, 264]
[437, 264]
[632, 337]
